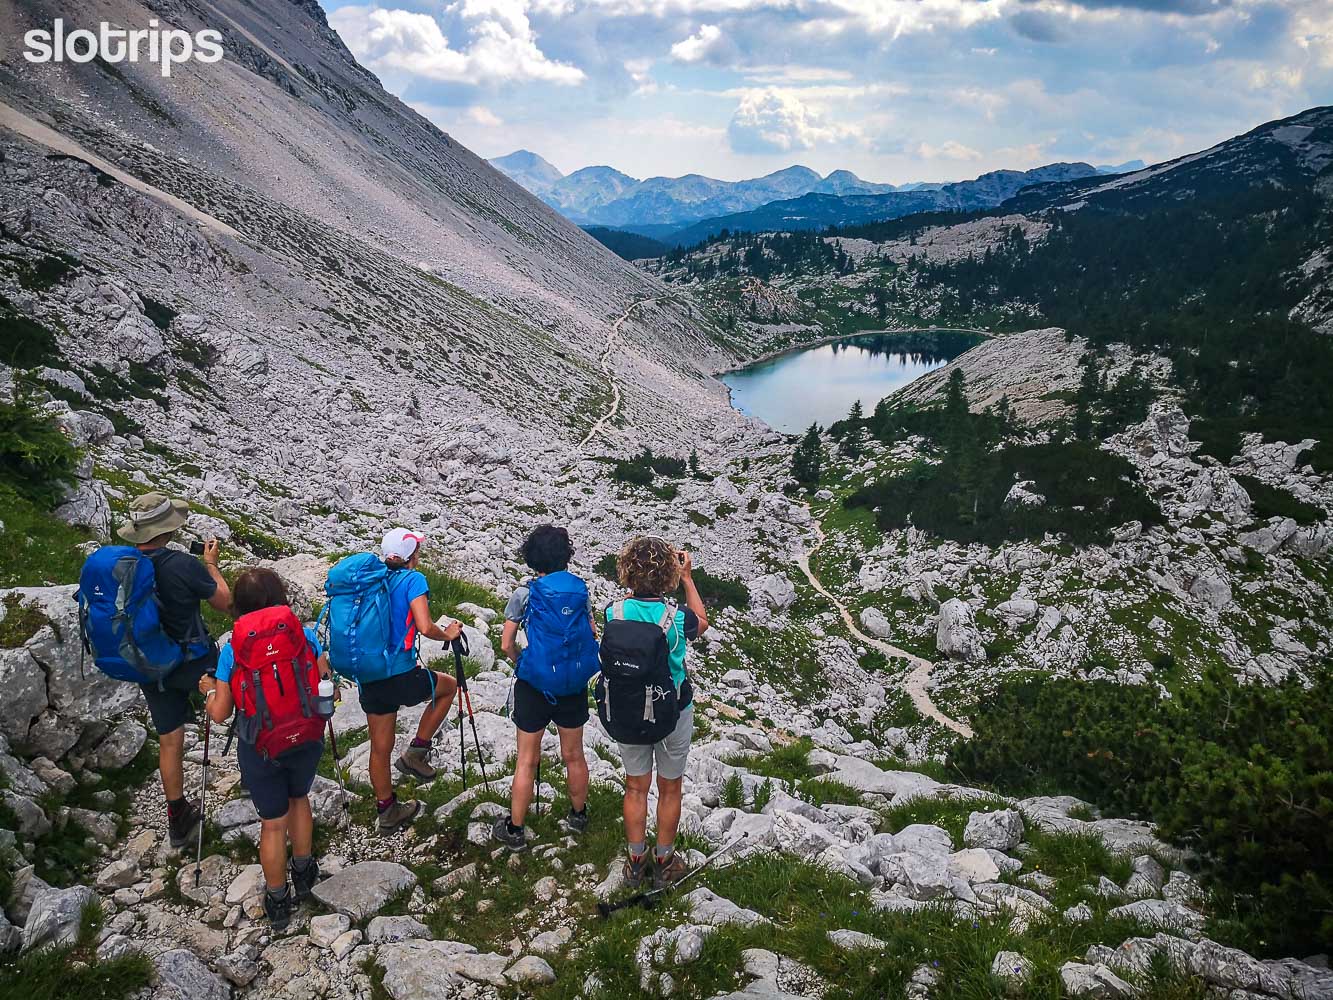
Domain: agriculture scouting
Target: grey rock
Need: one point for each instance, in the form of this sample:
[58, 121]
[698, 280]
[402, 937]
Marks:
[32, 822]
[24, 684]
[185, 977]
[327, 928]
[874, 622]
[238, 967]
[120, 747]
[849, 940]
[956, 634]
[531, 970]
[1161, 914]
[55, 916]
[773, 592]
[1094, 981]
[1001, 830]
[1013, 969]
[360, 890]
[382, 930]
[706, 907]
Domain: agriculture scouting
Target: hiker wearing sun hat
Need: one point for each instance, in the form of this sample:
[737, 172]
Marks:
[408, 683]
[182, 583]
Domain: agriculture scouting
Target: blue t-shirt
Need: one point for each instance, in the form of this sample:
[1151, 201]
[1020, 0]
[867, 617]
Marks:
[227, 658]
[405, 586]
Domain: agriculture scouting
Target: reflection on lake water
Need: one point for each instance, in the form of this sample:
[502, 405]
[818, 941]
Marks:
[819, 384]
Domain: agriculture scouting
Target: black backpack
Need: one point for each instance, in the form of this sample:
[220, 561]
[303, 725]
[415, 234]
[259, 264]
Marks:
[637, 700]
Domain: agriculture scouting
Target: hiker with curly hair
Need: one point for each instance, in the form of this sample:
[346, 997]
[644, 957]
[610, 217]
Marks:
[645, 699]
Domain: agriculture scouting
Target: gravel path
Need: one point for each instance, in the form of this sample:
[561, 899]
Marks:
[608, 366]
[917, 680]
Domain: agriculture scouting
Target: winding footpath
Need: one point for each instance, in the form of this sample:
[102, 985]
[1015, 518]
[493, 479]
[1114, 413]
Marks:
[608, 366]
[917, 679]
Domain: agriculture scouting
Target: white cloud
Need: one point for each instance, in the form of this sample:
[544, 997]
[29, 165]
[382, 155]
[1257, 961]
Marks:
[484, 116]
[947, 150]
[705, 45]
[770, 121]
[501, 46]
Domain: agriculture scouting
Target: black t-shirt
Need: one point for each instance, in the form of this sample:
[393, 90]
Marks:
[182, 582]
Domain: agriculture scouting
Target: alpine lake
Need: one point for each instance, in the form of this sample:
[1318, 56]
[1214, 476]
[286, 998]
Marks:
[818, 385]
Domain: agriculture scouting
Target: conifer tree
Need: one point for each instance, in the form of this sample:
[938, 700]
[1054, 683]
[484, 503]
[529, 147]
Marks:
[807, 464]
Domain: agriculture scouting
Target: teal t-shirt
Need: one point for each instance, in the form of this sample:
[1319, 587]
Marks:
[684, 626]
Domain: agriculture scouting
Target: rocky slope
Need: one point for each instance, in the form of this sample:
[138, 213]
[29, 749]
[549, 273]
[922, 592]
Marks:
[886, 876]
[306, 307]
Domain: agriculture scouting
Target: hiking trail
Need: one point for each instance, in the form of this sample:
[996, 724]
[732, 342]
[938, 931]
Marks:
[608, 367]
[916, 681]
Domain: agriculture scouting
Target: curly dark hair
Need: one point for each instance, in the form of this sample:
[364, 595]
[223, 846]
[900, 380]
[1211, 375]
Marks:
[648, 565]
[257, 589]
[547, 549]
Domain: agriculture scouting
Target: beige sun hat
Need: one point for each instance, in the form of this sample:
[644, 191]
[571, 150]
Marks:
[151, 515]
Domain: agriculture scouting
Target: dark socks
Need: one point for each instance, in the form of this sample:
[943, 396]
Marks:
[383, 804]
[300, 864]
[509, 825]
[175, 806]
[277, 894]
[419, 744]
[580, 812]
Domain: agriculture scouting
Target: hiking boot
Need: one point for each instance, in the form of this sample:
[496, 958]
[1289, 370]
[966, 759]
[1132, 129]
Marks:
[303, 880]
[278, 909]
[397, 816]
[577, 822]
[515, 839]
[181, 827]
[636, 871]
[415, 762]
[669, 870]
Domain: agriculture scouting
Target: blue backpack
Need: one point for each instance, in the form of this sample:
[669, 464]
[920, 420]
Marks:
[561, 657]
[120, 620]
[363, 636]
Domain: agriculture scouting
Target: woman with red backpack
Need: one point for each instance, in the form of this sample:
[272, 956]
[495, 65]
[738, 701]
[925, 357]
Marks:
[269, 676]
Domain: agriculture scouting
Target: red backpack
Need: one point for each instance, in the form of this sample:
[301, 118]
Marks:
[274, 682]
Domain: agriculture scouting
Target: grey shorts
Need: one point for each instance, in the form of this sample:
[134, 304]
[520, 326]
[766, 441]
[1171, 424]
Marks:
[669, 755]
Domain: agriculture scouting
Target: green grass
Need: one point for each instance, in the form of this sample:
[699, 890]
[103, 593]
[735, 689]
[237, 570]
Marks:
[21, 622]
[36, 549]
[73, 972]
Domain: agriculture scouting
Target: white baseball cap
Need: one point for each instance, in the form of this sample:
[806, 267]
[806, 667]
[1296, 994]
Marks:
[401, 543]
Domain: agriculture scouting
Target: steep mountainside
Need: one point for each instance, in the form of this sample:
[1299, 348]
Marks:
[818, 211]
[275, 239]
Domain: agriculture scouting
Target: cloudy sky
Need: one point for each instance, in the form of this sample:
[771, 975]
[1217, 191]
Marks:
[895, 90]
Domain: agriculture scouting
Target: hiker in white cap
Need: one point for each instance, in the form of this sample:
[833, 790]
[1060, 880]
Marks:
[408, 682]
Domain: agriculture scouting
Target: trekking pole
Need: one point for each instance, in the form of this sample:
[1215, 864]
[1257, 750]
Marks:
[337, 768]
[460, 647]
[649, 899]
[203, 802]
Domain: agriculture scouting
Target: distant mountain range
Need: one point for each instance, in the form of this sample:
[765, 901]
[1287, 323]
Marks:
[684, 210]
[605, 196]
[818, 211]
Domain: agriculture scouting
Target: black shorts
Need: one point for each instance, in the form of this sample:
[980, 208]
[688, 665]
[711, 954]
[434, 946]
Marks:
[170, 706]
[271, 783]
[533, 713]
[399, 691]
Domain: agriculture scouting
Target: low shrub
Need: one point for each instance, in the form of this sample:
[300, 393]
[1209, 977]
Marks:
[1241, 773]
[36, 459]
[1272, 501]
